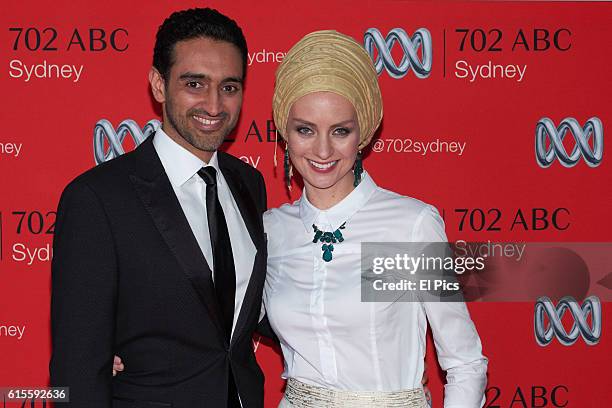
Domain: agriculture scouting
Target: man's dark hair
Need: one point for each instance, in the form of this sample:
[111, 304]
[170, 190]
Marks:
[195, 23]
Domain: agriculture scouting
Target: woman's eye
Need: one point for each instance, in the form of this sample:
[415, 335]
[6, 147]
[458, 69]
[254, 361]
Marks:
[304, 130]
[342, 131]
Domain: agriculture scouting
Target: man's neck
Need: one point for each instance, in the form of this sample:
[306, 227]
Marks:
[173, 134]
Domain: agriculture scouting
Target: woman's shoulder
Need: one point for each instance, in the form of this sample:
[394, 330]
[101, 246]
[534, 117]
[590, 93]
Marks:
[402, 203]
[278, 220]
[280, 214]
[284, 229]
[419, 217]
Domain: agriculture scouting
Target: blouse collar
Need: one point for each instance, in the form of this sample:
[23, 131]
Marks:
[342, 211]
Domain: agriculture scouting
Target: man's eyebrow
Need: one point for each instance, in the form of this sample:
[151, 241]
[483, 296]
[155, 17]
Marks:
[193, 75]
[233, 79]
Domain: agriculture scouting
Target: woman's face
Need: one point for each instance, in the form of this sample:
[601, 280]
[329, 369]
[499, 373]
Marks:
[323, 137]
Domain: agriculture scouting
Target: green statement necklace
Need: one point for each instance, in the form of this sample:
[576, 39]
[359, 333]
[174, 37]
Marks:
[328, 239]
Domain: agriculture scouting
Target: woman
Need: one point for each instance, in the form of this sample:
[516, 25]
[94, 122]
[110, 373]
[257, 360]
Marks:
[339, 351]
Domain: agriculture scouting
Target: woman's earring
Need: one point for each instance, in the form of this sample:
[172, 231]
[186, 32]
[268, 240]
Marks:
[358, 169]
[288, 167]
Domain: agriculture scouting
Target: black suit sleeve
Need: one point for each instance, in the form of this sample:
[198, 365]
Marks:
[263, 196]
[84, 275]
[263, 327]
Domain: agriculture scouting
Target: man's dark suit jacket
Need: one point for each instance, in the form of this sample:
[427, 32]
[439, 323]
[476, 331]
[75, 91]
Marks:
[128, 278]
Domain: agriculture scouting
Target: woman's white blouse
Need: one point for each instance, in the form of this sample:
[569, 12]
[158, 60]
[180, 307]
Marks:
[330, 338]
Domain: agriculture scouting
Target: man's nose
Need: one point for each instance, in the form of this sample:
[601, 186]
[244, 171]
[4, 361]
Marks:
[212, 102]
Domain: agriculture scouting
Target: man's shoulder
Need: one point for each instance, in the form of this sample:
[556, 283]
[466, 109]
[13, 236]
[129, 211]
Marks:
[227, 160]
[110, 175]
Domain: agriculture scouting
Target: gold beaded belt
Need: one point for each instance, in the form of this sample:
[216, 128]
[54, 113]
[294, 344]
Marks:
[302, 395]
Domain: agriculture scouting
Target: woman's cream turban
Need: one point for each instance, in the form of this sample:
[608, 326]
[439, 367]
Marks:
[333, 62]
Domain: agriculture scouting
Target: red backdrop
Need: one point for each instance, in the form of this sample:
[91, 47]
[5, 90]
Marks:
[561, 55]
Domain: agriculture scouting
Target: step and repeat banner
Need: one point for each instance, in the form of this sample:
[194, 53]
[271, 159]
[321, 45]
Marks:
[495, 113]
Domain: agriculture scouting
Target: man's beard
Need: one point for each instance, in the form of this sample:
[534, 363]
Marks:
[208, 143]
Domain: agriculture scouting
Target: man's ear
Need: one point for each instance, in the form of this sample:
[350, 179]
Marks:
[157, 85]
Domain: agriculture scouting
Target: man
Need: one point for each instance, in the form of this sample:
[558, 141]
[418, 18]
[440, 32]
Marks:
[160, 254]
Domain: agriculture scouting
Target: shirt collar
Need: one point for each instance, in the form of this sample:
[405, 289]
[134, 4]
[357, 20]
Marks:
[341, 212]
[180, 164]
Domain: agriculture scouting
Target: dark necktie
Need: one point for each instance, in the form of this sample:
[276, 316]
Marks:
[223, 261]
[223, 265]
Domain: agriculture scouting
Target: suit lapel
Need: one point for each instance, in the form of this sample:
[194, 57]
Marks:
[246, 205]
[155, 191]
[253, 222]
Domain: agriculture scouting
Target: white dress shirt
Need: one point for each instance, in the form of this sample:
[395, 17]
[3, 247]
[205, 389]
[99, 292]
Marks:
[182, 166]
[329, 337]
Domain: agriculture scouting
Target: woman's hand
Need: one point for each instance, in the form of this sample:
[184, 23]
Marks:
[117, 365]
[424, 381]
